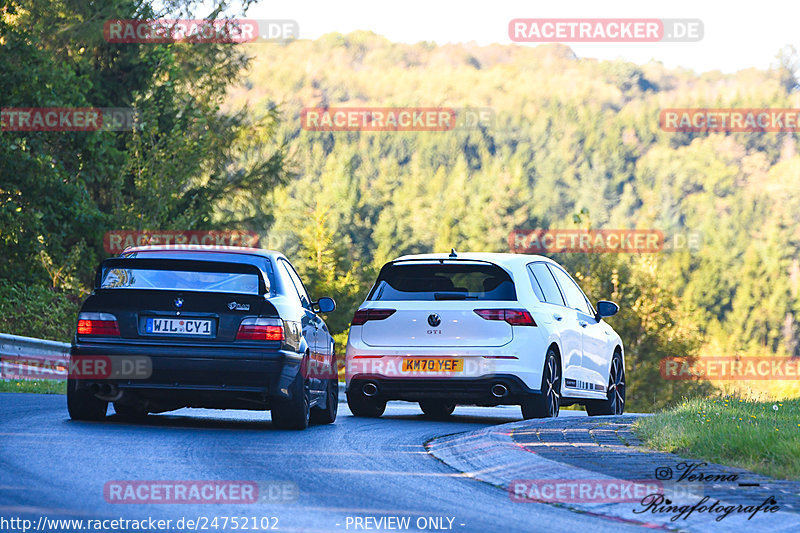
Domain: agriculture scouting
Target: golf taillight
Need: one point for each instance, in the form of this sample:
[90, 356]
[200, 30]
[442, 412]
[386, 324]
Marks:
[98, 324]
[260, 329]
[362, 316]
[515, 317]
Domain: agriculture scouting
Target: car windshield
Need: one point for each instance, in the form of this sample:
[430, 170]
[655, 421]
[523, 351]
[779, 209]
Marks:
[443, 282]
[184, 280]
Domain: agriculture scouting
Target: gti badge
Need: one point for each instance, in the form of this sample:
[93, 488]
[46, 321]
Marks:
[234, 306]
[434, 320]
[178, 302]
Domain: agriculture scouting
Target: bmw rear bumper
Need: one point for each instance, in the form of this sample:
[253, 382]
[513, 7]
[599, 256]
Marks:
[189, 375]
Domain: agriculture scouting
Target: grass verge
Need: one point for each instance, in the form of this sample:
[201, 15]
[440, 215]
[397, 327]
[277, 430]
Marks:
[760, 436]
[40, 386]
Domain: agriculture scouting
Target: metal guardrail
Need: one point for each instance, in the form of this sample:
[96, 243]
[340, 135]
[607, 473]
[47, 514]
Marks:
[29, 358]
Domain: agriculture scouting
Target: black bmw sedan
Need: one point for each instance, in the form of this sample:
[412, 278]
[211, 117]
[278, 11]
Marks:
[178, 326]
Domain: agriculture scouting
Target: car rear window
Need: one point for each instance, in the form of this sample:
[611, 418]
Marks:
[263, 263]
[446, 281]
[183, 280]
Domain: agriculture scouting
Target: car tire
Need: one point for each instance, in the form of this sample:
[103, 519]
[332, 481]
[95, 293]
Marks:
[365, 406]
[328, 414]
[614, 404]
[437, 409]
[292, 412]
[82, 404]
[546, 404]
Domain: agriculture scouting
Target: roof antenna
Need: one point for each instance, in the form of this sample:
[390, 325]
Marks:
[452, 253]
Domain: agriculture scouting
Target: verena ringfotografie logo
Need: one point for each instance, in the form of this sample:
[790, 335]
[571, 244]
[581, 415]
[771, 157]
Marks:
[226, 31]
[730, 368]
[734, 120]
[549, 241]
[378, 118]
[117, 241]
[605, 30]
[68, 119]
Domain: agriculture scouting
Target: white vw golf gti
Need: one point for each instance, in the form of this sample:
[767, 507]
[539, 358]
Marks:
[482, 329]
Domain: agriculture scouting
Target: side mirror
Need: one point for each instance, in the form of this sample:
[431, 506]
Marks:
[606, 308]
[324, 305]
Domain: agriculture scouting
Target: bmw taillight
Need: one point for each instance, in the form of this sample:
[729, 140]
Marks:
[98, 324]
[260, 329]
[362, 316]
[515, 317]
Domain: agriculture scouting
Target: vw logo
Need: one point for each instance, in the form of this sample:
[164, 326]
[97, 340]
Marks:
[178, 302]
[434, 320]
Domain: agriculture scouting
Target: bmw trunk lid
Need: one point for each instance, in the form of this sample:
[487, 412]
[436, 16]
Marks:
[179, 300]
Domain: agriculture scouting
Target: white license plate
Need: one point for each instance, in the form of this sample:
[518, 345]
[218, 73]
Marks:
[178, 326]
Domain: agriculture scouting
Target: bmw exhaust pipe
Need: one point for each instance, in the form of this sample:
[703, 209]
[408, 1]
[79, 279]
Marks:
[370, 389]
[499, 390]
[106, 391]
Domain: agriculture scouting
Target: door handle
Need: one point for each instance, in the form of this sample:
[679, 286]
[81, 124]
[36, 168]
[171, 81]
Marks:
[582, 324]
[556, 316]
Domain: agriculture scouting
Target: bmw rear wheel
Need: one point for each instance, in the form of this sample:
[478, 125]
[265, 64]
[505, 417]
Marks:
[82, 404]
[328, 414]
[292, 412]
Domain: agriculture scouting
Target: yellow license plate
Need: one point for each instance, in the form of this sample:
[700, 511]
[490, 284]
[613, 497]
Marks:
[433, 365]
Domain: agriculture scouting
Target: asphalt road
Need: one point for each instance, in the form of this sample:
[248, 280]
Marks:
[356, 468]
